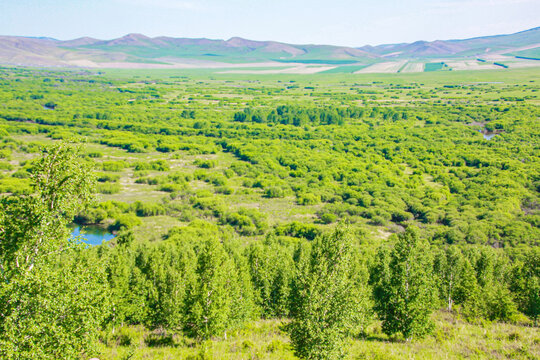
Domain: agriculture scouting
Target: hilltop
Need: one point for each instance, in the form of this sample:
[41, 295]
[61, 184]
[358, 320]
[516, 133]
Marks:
[478, 46]
[140, 51]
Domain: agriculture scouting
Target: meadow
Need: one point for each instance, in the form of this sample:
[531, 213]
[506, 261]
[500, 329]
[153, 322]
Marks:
[268, 165]
[315, 149]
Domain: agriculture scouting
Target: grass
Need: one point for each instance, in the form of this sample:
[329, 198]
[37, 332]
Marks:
[529, 54]
[452, 338]
[348, 69]
[433, 66]
[318, 61]
[154, 227]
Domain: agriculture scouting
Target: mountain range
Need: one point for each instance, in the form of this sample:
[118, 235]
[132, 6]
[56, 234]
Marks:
[137, 50]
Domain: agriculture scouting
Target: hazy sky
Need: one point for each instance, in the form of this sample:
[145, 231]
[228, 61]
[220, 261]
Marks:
[340, 22]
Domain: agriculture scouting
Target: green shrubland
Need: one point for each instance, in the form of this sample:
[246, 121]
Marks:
[318, 217]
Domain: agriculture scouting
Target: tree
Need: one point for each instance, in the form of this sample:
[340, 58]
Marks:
[326, 299]
[210, 299]
[53, 296]
[403, 289]
[466, 285]
[34, 226]
[525, 284]
[272, 270]
[243, 293]
[170, 270]
[491, 299]
[448, 268]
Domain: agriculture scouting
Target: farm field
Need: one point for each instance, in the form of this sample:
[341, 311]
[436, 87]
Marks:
[383, 67]
[258, 185]
[413, 67]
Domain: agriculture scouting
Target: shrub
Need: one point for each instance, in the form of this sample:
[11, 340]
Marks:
[113, 165]
[109, 188]
[205, 164]
[15, 186]
[307, 199]
[328, 218]
[246, 221]
[5, 166]
[95, 154]
[108, 177]
[298, 230]
[21, 174]
[225, 190]
[156, 165]
[172, 187]
[148, 209]
[125, 222]
[274, 192]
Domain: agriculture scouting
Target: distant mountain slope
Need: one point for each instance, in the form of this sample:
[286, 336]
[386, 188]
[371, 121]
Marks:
[184, 52]
[457, 48]
[233, 50]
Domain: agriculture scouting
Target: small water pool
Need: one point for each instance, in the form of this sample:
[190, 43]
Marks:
[91, 235]
[489, 136]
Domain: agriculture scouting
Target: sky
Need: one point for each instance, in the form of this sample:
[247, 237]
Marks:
[336, 22]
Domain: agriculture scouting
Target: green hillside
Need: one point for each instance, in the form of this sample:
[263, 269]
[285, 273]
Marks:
[529, 54]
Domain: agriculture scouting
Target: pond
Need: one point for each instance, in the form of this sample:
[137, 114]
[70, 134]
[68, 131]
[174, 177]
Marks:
[489, 136]
[91, 235]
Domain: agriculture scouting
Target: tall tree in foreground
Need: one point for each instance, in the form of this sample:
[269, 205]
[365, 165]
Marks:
[525, 284]
[403, 286]
[52, 295]
[448, 270]
[210, 298]
[326, 299]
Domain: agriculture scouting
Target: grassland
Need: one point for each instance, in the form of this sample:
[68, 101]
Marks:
[254, 158]
[215, 97]
[452, 339]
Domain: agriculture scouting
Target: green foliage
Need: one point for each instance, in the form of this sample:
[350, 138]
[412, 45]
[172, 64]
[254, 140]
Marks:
[525, 283]
[113, 165]
[272, 273]
[307, 199]
[403, 287]
[171, 271]
[349, 150]
[298, 230]
[328, 218]
[15, 186]
[491, 298]
[205, 164]
[148, 209]
[113, 178]
[55, 310]
[210, 299]
[108, 188]
[246, 221]
[274, 192]
[326, 299]
[125, 222]
[53, 296]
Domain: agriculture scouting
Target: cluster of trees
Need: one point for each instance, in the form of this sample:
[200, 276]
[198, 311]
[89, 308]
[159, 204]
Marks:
[291, 115]
[55, 295]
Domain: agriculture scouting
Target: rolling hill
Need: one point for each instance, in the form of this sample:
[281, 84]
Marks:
[137, 50]
[479, 46]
